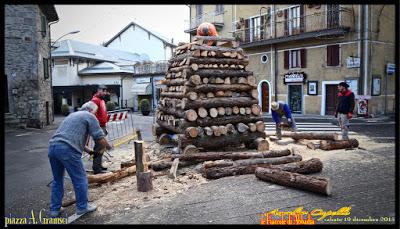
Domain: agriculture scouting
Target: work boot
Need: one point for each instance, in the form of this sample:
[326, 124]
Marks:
[55, 214]
[89, 208]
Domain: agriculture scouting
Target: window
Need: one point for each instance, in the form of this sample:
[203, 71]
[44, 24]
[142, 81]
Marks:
[46, 68]
[219, 9]
[255, 29]
[199, 10]
[294, 59]
[43, 25]
[332, 55]
[294, 19]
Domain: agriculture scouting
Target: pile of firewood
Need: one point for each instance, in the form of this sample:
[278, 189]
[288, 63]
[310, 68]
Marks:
[210, 100]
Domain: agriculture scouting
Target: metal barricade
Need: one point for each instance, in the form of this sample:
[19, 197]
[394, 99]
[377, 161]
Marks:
[119, 126]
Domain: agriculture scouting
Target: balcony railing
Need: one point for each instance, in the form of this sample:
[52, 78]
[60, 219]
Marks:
[153, 68]
[320, 21]
[216, 18]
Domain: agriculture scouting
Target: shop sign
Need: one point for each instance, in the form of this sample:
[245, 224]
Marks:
[294, 77]
[353, 62]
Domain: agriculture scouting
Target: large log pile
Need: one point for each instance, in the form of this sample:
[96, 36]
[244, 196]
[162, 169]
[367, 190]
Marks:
[210, 99]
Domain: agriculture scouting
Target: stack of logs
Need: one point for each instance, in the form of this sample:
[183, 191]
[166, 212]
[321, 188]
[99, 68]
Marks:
[210, 99]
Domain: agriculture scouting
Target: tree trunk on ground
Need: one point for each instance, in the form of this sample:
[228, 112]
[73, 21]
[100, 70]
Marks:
[311, 136]
[295, 180]
[247, 166]
[212, 156]
[167, 163]
[111, 176]
[342, 144]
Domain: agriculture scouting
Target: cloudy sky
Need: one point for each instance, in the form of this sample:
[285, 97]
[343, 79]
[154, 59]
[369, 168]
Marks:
[99, 23]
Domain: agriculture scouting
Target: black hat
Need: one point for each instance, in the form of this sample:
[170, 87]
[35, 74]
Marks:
[102, 86]
[344, 84]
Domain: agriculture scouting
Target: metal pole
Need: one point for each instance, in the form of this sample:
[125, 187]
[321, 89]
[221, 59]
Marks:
[386, 76]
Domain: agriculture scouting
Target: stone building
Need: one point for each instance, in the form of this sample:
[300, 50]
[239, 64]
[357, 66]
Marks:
[299, 53]
[28, 95]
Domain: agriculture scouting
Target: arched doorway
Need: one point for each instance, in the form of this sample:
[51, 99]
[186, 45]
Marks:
[264, 95]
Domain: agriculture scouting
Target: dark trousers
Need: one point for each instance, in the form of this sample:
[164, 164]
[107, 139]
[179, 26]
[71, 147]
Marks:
[98, 155]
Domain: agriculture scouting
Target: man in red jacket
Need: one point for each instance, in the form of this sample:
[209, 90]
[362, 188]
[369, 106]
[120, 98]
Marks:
[344, 108]
[101, 116]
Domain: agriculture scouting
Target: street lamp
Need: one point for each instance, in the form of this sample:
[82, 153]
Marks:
[72, 32]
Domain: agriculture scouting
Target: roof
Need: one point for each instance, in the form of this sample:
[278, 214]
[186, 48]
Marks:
[72, 48]
[105, 68]
[156, 34]
[50, 12]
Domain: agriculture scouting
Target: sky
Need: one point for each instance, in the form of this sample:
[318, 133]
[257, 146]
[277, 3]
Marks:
[99, 23]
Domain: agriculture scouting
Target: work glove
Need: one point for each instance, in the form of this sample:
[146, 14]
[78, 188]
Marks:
[335, 115]
[349, 115]
[289, 121]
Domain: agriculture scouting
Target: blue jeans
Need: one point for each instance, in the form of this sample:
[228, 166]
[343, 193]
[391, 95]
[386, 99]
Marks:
[63, 157]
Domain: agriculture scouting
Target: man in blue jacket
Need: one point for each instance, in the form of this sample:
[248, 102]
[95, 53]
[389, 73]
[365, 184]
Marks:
[280, 109]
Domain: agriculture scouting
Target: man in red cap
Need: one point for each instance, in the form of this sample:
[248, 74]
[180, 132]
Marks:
[101, 116]
[344, 108]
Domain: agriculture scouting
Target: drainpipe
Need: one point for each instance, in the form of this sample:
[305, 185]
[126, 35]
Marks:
[51, 67]
[366, 47]
[362, 57]
[275, 61]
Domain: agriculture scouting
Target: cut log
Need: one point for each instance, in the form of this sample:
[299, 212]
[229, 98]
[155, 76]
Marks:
[194, 67]
[219, 94]
[192, 95]
[295, 180]
[242, 111]
[341, 144]
[247, 166]
[211, 142]
[313, 165]
[140, 157]
[203, 53]
[221, 87]
[212, 156]
[174, 168]
[256, 109]
[313, 146]
[230, 128]
[221, 111]
[111, 176]
[242, 80]
[199, 60]
[205, 81]
[210, 95]
[247, 110]
[235, 110]
[311, 136]
[223, 130]
[228, 110]
[144, 181]
[190, 149]
[208, 131]
[167, 163]
[213, 112]
[233, 119]
[164, 139]
[227, 81]
[192, 132]
[252, 127]
[202, 112]
[215, 65]
[216, 131]
[195, 79]
[260, 144]
[191, 115]
[202, 95]
[241, 127]
[260, 126]
[219, 80]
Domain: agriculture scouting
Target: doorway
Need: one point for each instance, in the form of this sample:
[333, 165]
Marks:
[331, 99]
[265, 97]
[295, 98]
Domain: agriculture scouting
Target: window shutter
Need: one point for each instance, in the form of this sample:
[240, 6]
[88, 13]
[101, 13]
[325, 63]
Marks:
[328, 56]
[247, 30]
[262, 27]
[302, 25]
[286, 60]
[335, 57]
[303, 58]
[285, 13]
[43, 25]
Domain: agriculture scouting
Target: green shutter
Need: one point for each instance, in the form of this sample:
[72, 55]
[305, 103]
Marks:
[43, 25]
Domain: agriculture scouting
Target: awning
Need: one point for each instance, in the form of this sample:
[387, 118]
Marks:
[141, 89]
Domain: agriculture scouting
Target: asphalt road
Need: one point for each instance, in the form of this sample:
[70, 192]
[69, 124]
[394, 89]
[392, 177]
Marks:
[27, 172]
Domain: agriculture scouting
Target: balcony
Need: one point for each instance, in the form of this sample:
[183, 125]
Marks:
[159, 67]
[216, 18]
[323, 24]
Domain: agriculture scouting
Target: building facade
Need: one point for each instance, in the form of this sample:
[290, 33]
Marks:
[137, 39]
[79, 67]
[27, 64]
[299, 53]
